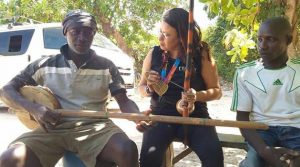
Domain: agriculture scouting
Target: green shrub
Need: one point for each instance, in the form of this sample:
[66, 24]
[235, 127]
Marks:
[214, 37]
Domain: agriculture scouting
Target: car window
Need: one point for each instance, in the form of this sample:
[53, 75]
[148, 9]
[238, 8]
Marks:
[15, 42]
[103, 42]
[53, 38]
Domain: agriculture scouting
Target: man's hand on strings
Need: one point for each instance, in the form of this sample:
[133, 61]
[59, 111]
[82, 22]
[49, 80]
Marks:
[46, 117]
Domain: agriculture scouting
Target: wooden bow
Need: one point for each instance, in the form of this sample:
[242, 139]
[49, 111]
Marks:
[188, 67]
[189, 52]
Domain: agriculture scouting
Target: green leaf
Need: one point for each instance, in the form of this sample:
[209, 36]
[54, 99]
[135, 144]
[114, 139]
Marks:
[230, 52]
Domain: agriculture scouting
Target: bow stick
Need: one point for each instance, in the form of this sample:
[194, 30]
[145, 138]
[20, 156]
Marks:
[188, 68]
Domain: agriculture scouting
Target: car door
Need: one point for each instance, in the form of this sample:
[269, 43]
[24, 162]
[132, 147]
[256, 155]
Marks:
[13, 52]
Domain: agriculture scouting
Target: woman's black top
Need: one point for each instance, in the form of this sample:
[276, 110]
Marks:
[166, 104]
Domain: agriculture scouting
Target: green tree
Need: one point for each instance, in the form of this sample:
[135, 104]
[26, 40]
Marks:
[245, 16]
[214, 37]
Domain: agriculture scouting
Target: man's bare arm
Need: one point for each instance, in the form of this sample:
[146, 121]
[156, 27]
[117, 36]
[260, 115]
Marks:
[42, 114]
[126, 105]
[267, 153]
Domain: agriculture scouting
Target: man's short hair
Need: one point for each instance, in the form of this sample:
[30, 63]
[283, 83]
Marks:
[280, 23]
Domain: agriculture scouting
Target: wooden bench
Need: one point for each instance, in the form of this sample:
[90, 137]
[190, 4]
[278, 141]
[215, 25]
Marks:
[226, 140]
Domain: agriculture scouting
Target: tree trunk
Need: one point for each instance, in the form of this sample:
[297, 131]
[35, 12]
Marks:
[109, 30]
[292, 14]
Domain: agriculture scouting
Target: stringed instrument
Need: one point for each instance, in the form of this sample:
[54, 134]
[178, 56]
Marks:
[45, 97]
[37, 94]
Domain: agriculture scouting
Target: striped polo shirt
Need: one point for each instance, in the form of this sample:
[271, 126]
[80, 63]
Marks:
[87, 87]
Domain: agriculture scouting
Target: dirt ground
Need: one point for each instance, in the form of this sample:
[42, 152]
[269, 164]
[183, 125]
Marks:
[232, 157]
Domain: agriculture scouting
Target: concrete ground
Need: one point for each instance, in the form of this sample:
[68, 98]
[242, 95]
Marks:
[10, 128]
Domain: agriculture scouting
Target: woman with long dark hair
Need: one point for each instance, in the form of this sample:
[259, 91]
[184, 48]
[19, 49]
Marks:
[163, 77]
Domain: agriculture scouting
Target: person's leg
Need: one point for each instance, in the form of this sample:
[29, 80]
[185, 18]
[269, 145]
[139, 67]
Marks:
[121, 150]
[71, 160]
[155, 142]
[105, 164]
[203, 140]
[289, 137]
[252, 158]
[34, 148]
[19, 155]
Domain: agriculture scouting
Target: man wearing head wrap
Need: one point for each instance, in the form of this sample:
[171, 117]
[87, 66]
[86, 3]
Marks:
[78, 18]
[79, 79]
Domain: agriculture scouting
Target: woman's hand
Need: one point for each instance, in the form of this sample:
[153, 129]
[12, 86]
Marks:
[153, 77]
[189, 96]
[187, 101]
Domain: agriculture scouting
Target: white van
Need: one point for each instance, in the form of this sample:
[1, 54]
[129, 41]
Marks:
[22, 44]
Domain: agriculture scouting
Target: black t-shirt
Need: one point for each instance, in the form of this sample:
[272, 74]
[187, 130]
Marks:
[166, 104]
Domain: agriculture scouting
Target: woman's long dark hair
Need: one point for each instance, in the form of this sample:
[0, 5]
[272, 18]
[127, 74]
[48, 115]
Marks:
[178, 19]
